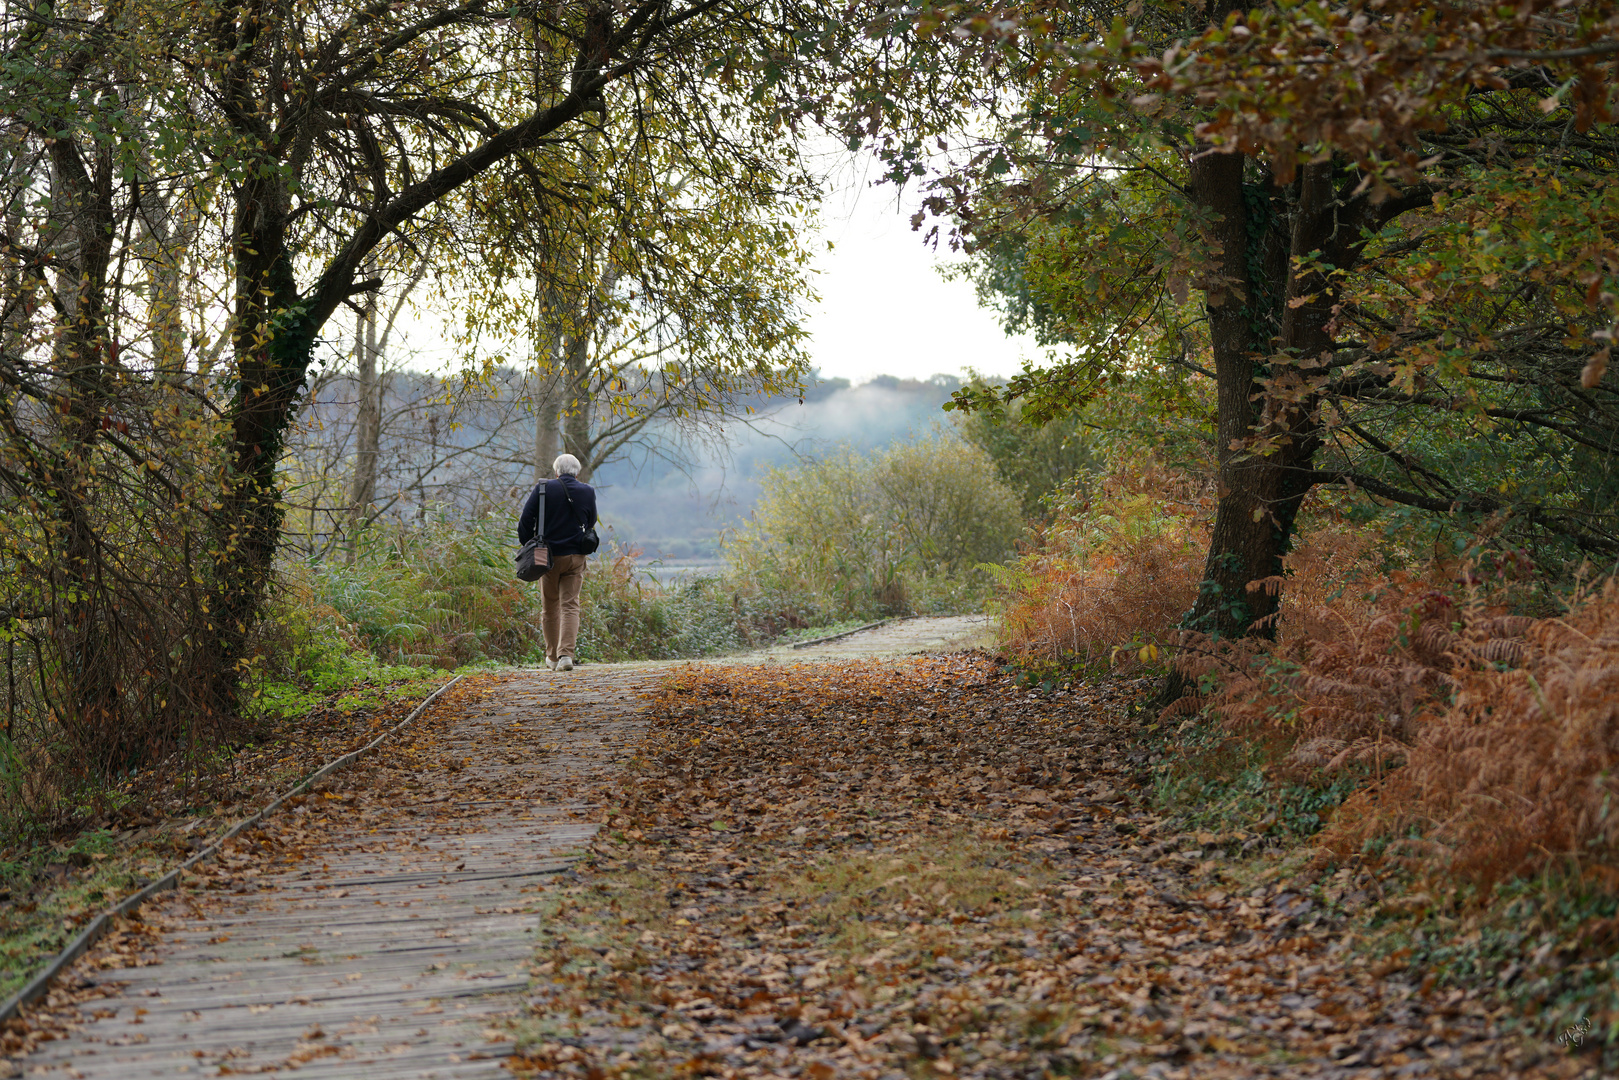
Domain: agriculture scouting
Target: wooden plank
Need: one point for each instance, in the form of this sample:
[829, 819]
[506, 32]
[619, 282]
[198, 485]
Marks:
[431, 943]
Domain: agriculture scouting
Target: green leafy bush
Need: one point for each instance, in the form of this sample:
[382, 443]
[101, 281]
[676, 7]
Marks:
[1035, 460]
[899, 532]
[442, 595]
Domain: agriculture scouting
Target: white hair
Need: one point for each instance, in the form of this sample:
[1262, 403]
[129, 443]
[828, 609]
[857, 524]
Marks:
[565, 465]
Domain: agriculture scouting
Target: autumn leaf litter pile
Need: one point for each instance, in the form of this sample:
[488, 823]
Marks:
[920, 869]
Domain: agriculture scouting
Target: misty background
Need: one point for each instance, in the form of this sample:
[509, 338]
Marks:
[675, 515]
[460, 452]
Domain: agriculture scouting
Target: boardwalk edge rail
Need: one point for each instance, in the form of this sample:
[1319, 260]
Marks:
[39, 984]
[842, 634]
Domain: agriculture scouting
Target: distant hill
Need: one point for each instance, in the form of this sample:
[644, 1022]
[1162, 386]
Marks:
[677, 516]
[447, 451]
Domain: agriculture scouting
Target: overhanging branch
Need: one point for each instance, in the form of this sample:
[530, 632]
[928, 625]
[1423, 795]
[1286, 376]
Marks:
[1473, 503]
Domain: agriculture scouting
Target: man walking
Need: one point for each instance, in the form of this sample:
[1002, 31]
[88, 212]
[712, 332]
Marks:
[570, 518]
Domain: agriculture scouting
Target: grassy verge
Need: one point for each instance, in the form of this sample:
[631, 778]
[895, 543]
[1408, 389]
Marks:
[46, 895]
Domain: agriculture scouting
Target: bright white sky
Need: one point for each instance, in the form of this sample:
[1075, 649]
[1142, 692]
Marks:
[885, 310]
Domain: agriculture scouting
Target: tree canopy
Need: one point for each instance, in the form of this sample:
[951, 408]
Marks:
[193, 190]
[1386, 232]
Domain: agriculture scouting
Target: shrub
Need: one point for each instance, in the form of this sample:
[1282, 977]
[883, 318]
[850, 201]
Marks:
[1510, 768]
[1035, 460]
[893, 533]
[1111, 573]
[1121, 561]
[629, 616]
[441, 594]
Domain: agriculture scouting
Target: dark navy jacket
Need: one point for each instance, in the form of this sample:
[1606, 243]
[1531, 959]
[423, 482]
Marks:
[562, 525]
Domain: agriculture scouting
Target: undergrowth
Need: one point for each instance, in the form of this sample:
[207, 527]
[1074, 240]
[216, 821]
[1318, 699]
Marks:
[1110, 575]
[1208, 779]
[444, 595]
[1449, 719]
[81, 878]
[1543, 947]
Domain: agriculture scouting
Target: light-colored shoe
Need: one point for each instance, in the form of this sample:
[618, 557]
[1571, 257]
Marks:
[564, 663]
[550, 665]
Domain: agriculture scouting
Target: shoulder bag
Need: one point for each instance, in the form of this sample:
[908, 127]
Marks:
[534, 558]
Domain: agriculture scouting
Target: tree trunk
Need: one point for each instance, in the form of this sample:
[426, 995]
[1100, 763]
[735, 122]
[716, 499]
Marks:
[368, 418]
[165, 240]
[577, 416]
[1297, 371]
[547, 423]
[274, 344]
[1268, 428]
[1244, 546]
[83, 200]
[371, 336]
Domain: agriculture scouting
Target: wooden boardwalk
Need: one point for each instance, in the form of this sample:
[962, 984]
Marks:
[389, 946]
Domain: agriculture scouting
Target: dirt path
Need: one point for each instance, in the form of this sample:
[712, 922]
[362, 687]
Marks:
[858, 866]
[901, 637]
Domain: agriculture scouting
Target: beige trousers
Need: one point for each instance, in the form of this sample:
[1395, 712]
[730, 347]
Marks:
[560, 619]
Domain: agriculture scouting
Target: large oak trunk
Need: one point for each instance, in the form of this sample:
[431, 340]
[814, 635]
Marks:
[275, 338]
[1249, 538]
[1270, 311]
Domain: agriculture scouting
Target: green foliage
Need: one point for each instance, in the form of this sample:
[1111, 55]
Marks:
[440, 595]
[348, 681]
[443, 596]
[1034, 460]
[628, 616]
[1467, 299]
[1543, 946]
[902, 531]
[1208, 779]
[33, 930]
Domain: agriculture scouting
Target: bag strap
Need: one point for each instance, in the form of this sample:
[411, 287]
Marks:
[572, 507]
[539, 524]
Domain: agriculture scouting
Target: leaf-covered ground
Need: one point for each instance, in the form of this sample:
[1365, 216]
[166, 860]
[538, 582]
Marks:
[916, 869]
[886, 870]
